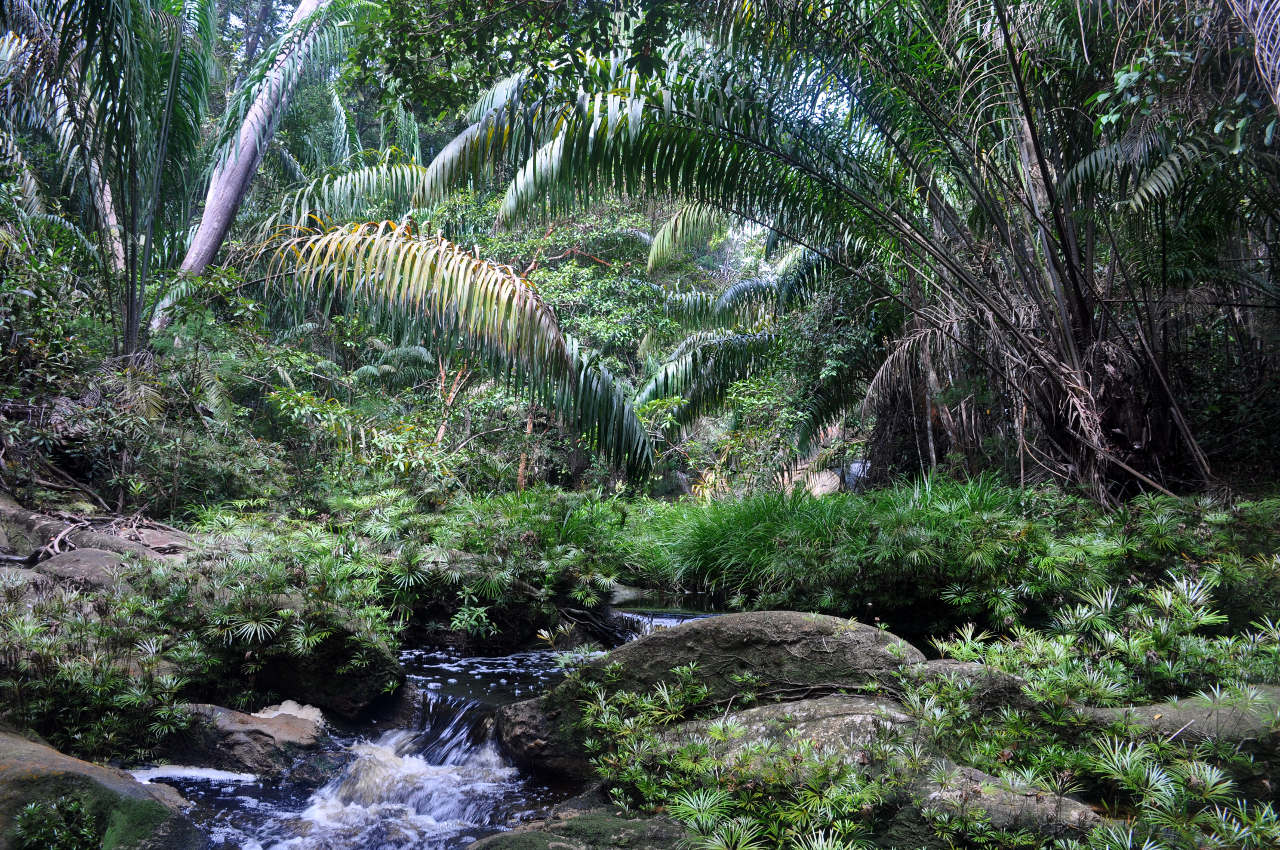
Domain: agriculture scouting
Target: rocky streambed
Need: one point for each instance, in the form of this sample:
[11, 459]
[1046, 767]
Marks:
[488, 753]
[426, 771]
[837, 686]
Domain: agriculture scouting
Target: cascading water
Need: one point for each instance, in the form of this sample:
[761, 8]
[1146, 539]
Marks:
[439, 783]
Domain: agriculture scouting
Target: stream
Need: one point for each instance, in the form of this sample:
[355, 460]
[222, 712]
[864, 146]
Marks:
[438, 784]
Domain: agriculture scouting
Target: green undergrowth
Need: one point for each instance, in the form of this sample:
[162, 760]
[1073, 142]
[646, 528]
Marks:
[927, 556]
[103, 672]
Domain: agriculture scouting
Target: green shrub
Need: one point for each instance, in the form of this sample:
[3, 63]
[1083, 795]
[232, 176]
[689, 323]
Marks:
[927, 556]
[61, 824]
[530, 553]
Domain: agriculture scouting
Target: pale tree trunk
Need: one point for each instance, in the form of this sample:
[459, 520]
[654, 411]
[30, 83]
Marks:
[522, 472]
[449, 396]
[231, 179]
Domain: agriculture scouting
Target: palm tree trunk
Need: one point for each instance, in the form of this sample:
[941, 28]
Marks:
[231, 179]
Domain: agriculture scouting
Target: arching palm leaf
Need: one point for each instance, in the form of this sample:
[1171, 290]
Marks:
[690, 227]
[428, 285]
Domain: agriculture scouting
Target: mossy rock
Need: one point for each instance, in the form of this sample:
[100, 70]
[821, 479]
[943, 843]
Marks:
[786, 655]
[133, 816]
[599, 829]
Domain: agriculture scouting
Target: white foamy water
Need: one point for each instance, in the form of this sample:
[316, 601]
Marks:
[390, 796]
[175, 771]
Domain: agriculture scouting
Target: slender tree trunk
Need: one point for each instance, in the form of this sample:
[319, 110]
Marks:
[266, 17]
[522, 471]
[450, 397]
[231, 179]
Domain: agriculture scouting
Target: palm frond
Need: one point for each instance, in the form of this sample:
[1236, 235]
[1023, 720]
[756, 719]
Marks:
[702, 369]
[407, 280]
[690, 227]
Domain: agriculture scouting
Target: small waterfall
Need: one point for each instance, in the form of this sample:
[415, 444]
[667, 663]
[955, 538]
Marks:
[422, 788]
[439, 784]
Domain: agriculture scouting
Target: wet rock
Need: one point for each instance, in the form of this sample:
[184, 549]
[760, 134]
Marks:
[265, 744]
[595, 829]
[137, 816]
[538, 734]
[85, 568]
[402, 709]
[785, 653]
[776, 654]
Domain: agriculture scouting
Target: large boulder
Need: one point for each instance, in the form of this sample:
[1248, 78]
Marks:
[986, 688]
[1241, 717]
[17, 583]
[781, 654]
[786, 653]
[132, 815]
[1009, 806]
[266, 743]
[848, 728]
[24, 532]
[89, 569]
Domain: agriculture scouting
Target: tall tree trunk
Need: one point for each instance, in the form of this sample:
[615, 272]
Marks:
[253, 38]
[231, 179]
[449, 396]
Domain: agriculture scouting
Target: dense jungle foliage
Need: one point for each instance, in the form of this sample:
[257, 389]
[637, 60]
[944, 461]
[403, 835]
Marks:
[437, 323]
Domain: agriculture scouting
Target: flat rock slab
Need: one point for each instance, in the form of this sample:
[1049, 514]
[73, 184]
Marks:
[1241, 718]
[138, 816]
[1008, 806]
[87, 568]
[838, 724]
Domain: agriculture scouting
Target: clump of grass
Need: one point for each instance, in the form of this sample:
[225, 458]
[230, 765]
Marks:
[926, 556]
